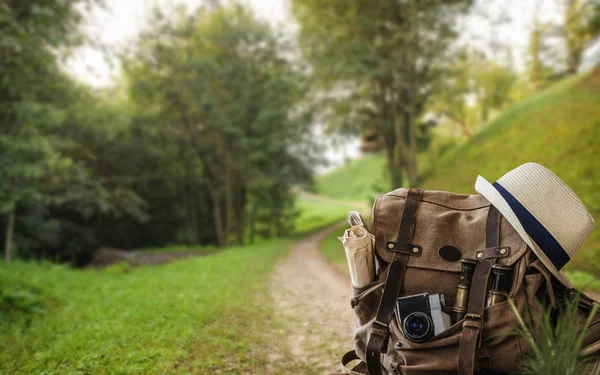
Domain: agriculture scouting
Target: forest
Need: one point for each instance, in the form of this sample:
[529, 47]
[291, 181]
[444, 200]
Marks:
[207, 130]
[214, 139]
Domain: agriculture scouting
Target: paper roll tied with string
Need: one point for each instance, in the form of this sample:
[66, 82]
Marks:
[358, 244]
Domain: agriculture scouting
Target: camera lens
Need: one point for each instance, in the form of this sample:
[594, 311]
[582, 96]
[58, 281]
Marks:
[418, 327]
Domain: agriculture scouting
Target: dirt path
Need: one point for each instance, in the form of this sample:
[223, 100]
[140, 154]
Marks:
[104, 257]
[313, 313]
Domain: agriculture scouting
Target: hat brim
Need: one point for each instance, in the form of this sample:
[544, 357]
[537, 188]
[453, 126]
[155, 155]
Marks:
[486, 189]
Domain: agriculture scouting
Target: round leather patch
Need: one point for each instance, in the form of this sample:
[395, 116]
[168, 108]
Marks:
[450, 253]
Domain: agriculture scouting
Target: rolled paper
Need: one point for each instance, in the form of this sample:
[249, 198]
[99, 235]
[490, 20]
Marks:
[358, 245]
[355, 218]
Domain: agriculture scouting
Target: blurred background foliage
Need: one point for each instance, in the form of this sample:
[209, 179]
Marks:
[211, 122]
[216, 128]
[197, 144]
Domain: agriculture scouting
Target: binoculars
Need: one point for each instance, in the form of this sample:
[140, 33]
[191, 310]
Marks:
[498, 291]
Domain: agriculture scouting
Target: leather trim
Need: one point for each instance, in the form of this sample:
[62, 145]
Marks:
[493, 252]
[404, 248]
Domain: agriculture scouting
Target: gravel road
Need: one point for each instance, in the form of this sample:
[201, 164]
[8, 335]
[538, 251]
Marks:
[312, 302]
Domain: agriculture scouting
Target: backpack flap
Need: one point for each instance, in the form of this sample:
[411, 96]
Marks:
[448, 227]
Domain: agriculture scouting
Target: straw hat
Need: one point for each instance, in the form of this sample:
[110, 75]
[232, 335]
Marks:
[545, 212]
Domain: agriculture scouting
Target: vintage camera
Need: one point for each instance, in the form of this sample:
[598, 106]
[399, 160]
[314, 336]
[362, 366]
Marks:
[421, 316]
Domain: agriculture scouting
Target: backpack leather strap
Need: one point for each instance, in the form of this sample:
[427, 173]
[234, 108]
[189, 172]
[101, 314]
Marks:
[380, 328]
[473, 323]
[359, 369]
[471, 334]
[492, 228]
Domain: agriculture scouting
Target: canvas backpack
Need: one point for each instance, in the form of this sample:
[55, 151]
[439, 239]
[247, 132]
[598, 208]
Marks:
[411, 227]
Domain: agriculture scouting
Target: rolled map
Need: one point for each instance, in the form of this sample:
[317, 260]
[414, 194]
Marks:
[358, 244]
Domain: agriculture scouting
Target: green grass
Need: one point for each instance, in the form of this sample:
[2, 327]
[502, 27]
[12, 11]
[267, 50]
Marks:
[191, 316]
[198, 315]
[318, 213]
[559, 128]
[359, 180]
[555, 342]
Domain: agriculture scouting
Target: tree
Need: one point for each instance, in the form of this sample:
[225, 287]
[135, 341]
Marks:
[580, 25]
[52, 186]
[538, 59]
[31, 35]
[385, 58]
[473, 87]
[219, 84]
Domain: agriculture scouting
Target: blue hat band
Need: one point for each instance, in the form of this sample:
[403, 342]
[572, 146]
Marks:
[544, 239]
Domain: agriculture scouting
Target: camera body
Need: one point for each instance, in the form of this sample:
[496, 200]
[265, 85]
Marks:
[421, 316]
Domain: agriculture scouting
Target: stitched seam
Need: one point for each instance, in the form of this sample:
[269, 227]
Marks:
[442, 205]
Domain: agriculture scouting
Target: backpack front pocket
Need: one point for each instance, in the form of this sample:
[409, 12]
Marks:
[500, 349]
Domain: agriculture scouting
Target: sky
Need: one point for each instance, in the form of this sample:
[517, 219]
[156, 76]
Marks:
[121, 20]
[118, 23]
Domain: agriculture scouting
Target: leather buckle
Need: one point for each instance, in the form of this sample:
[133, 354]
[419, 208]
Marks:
[473, 320]
[379, 328]
[378, 336]
[475, 317]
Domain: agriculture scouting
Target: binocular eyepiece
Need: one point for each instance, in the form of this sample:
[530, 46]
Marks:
[501, 283]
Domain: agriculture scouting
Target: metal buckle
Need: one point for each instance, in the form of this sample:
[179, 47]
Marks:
[474, 317]
[380, 329]
[379, 325]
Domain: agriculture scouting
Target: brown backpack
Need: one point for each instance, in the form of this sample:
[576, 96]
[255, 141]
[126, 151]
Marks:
[420, 237]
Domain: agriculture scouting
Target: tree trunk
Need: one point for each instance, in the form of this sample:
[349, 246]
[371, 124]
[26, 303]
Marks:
[217, 216]
[402, 147]
[240, 215]
[410, 112]
[186, 206]
[411, 149]
[193, 215]
[227, 178]
[184, 199]
[485, 114]
[253, 222]
[464, 129]
[10, 226]
[220, 232]
[461, 121]
[394, 171]
[574, 41]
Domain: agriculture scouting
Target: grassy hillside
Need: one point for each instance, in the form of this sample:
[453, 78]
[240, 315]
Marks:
[317, 213]
[360, 179]
[192, 316]
[559, 128]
